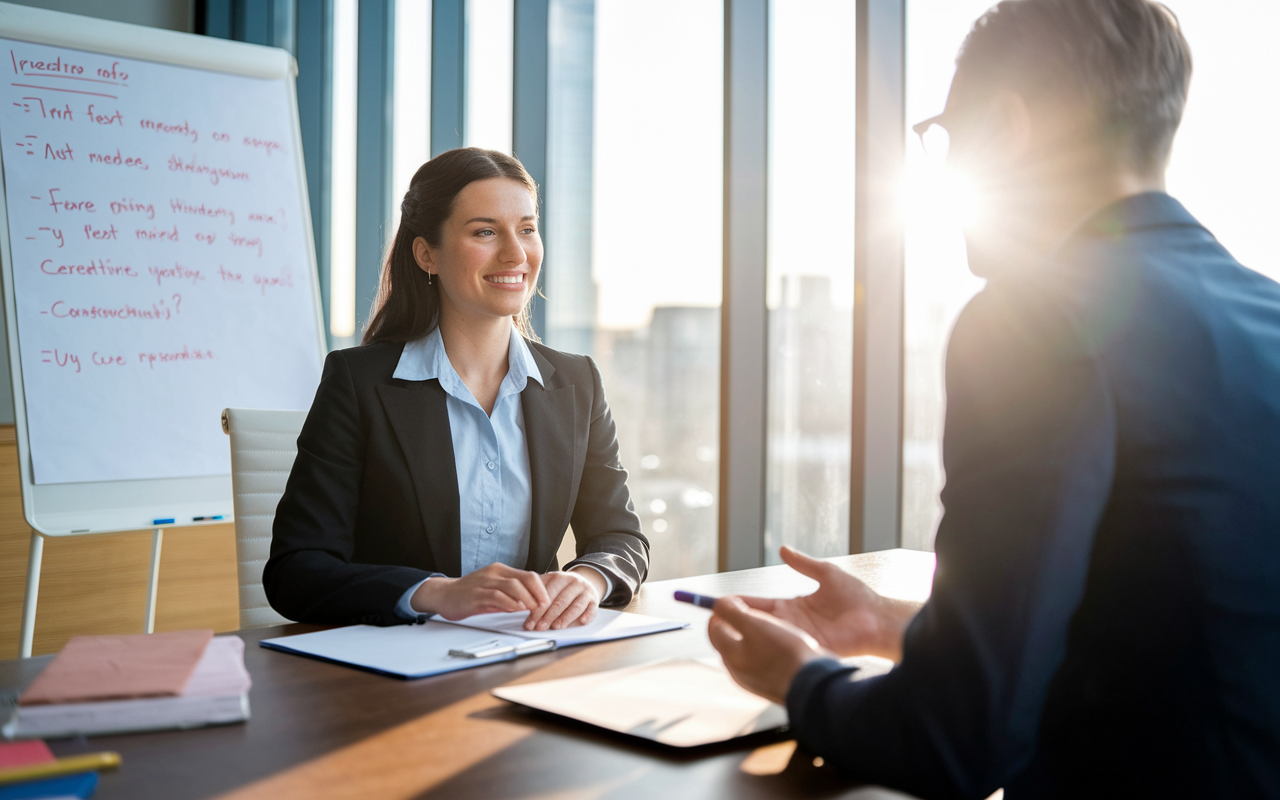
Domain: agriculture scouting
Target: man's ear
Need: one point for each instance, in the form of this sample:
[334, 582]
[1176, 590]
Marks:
[423, 255]
[1011, 120]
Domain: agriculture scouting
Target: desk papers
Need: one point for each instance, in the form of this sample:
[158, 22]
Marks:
[680, 702]
[216, 693]
[420, 651]
[92, 668]
[606, 626]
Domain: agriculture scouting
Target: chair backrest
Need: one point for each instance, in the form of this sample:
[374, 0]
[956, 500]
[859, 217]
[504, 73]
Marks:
[264, 444]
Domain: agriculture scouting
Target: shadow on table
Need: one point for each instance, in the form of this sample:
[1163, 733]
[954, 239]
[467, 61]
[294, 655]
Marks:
[573, 760]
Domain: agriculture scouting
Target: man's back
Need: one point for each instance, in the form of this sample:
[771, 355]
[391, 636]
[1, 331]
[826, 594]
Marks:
[1171, 676]
[1106, 612]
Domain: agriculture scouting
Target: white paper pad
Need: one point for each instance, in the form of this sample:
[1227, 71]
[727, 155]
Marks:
[678, 702]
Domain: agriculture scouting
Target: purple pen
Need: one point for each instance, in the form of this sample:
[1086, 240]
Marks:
[705, 601]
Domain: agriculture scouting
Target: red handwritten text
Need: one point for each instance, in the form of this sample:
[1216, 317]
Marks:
[101, 234]
[60, 153]
[70, 205]
[266, 145]
[118, 160]
[108, 361]
[129, 205]
[103, 118]
[164, 127]
[246, 241]
[176, 272]
[185, 354]
[113, 73]
[270, 218]
[180, 206]
[56, 66]
[282, 281]
[100, 267]
[176, 164]
[156, 234]
[229, 276]
[159, 310]
[60, 358]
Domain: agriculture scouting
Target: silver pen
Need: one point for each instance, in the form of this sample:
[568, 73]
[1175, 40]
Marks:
[495, 647]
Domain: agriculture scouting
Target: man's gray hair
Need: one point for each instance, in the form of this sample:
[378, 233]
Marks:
[1126, 58]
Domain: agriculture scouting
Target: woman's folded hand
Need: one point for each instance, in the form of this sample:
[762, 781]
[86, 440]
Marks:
[574, 597]
[495, 588]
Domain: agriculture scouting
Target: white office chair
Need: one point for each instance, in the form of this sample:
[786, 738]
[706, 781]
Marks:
[264, 444]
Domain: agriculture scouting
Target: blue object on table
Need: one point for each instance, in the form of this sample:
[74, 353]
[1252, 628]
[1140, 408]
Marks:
[80, 785]
[705, 601]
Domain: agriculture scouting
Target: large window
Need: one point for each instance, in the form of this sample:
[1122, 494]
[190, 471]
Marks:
[810, 275]
[411, 131]
[490, 28]
[1225, 164]
[656, 261]
[342, 192]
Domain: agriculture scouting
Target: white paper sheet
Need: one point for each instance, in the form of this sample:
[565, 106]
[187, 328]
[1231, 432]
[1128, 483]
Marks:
[608, 624]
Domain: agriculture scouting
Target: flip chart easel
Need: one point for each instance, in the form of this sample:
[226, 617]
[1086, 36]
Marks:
[158, 266]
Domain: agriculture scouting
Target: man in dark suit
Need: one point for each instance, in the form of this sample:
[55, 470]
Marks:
[1105, 616]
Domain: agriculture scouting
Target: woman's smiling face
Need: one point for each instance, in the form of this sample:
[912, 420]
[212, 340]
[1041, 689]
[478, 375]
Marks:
[490, 250]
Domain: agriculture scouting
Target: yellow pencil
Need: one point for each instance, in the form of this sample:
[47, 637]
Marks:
[63, 766]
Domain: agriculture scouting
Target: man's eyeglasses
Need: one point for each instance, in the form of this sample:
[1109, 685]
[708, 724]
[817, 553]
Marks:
[934, 137]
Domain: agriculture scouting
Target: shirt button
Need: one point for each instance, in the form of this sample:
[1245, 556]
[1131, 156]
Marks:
[490, 465]
[489, 529]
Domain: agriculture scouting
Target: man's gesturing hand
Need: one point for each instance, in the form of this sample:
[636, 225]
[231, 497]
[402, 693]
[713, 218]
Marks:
[844, 615]
[761, 652]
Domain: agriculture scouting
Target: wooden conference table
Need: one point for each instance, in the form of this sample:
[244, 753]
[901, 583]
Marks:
[320, 730]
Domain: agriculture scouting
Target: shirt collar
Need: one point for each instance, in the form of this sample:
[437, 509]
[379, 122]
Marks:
[425, 359]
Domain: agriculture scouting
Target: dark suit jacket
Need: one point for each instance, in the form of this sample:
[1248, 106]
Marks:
[372, 506]
[1105, 617]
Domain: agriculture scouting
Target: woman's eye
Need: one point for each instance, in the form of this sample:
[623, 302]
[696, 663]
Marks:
[529, 231]
[484, 232]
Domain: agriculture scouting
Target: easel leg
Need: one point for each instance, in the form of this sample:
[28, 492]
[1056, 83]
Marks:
[157, 538]
[34, 558]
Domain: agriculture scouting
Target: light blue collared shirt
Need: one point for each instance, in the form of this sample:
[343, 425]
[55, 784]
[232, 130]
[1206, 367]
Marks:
[490, 452]
[495, 492]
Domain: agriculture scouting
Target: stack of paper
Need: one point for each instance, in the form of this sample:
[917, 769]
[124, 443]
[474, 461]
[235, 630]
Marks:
[120, 684]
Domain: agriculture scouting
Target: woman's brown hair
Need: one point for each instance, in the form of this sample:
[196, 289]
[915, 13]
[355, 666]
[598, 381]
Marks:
[407, 306]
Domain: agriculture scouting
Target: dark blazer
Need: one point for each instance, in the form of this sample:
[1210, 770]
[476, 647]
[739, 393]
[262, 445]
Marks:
[372, 507]
[1105, 617]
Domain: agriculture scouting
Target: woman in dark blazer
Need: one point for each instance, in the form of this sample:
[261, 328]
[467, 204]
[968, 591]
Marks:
[443, 460]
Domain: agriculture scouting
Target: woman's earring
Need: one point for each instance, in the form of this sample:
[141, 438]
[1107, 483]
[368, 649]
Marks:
[428, 278]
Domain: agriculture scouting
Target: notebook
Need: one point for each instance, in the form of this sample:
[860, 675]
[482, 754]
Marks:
[215, 692]
[420, 651]
[681, 702]
[119, 667]
[65, 787]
